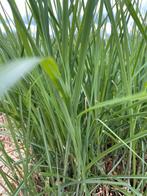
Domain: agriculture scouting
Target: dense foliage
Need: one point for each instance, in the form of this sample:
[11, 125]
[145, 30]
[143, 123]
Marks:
[82, 116]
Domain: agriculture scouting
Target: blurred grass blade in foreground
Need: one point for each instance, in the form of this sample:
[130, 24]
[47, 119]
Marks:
[10, 73]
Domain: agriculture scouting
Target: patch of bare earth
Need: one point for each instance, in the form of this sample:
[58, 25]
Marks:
[8, 145]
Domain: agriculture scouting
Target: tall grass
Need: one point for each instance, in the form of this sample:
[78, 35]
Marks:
[85, 107]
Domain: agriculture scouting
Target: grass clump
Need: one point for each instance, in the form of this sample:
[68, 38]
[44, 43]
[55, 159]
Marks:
[81, 112]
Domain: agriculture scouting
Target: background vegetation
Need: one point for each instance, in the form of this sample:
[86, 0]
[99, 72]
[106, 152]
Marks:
[80, 114]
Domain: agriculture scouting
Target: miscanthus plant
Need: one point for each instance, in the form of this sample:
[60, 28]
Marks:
[80, 111]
